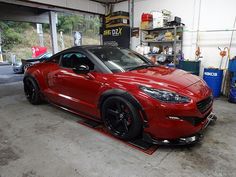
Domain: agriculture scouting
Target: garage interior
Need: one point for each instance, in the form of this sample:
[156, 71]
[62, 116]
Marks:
[45, 141]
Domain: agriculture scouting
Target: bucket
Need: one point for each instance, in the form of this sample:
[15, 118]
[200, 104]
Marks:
[213, 78]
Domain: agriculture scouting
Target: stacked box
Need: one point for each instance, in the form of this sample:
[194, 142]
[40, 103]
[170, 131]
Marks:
[116, 19]
[146, 21]
[116, 30]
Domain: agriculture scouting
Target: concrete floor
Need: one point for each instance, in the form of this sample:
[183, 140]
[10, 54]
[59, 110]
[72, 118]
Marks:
[43, 141]
[7, 75]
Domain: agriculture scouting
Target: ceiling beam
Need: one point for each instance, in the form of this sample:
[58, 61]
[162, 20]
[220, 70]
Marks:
[108, 2]
[50, 7]
[23, 14]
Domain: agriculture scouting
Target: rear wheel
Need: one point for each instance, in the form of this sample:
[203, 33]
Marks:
[121, 118]
[32, 91]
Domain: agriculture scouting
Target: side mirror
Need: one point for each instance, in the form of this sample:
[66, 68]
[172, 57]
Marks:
[81, 69]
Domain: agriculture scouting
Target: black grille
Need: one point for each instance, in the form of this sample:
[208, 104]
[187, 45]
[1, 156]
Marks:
[205, 104]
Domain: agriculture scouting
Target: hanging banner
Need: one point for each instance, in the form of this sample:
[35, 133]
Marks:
[38, 50]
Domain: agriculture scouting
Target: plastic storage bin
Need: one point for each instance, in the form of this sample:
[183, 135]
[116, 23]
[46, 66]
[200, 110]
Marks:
[232, 95]
[191, 66]
[233, 82]
[213, 78]
[232, 65]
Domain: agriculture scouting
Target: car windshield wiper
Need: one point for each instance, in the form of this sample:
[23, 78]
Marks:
[141, 67]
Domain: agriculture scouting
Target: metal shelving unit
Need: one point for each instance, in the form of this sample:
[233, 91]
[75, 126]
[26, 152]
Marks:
[173, 43]
[146, 41]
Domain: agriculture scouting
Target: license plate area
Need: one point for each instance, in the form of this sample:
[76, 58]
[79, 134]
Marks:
[211, 118]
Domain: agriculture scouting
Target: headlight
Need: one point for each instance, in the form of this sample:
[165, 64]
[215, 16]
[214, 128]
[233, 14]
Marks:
[165, 96]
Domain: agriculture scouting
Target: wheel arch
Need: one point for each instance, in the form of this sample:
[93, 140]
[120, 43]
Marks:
[126, 95]
[38, 78]
[37, 99]
[27, 75]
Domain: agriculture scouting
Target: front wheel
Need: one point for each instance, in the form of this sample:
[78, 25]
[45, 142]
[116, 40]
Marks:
[32, 91]
[121, 118]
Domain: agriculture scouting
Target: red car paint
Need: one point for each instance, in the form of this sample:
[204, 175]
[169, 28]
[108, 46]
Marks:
[80, 94]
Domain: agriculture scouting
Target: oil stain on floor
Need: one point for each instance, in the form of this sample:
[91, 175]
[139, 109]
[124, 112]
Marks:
[7, 153]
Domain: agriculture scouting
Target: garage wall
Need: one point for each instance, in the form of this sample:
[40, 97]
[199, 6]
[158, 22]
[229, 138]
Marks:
[214, 14]
[82, 5]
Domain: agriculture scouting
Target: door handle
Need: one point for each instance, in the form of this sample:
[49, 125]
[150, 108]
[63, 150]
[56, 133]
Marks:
[57, 76]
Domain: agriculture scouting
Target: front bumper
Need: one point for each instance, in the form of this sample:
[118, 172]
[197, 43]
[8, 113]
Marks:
[211, 119]
[173, 121]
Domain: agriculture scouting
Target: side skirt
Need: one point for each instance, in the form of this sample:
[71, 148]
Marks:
[83, 115]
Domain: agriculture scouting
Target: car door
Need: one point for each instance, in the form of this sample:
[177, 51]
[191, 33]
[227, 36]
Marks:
[53, 89]
[77, 91]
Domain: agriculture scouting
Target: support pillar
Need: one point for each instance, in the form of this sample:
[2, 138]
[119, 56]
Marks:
[40, 34]
[131, 20]
[1, 59]
[53, 30]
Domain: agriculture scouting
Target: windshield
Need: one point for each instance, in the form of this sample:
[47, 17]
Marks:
[120, 60]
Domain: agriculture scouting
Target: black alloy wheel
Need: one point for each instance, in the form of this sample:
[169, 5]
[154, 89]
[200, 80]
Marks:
[32, 92]
[121, 118]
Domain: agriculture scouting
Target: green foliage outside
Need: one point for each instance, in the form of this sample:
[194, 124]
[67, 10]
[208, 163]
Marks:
[11, 33]
[19, 37]
[88, 25]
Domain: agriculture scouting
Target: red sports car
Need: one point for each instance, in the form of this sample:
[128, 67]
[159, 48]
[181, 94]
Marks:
[126, 91]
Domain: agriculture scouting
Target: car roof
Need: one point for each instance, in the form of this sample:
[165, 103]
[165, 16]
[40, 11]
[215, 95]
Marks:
[86, 47]
[83, 48]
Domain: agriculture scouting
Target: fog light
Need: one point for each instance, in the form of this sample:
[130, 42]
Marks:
[166, 141]
[174, 118]
[189, 139]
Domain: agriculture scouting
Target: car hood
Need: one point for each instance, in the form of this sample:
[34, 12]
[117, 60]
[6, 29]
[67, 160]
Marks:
[158, 77]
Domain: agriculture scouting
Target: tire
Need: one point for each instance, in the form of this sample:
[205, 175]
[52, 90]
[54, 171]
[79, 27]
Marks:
[32, 91]
[121, 118]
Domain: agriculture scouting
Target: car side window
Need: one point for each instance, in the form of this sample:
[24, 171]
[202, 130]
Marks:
[72, 60]
[54, 59]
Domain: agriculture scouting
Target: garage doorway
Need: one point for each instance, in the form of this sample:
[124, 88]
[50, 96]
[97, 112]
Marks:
[19, 38]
